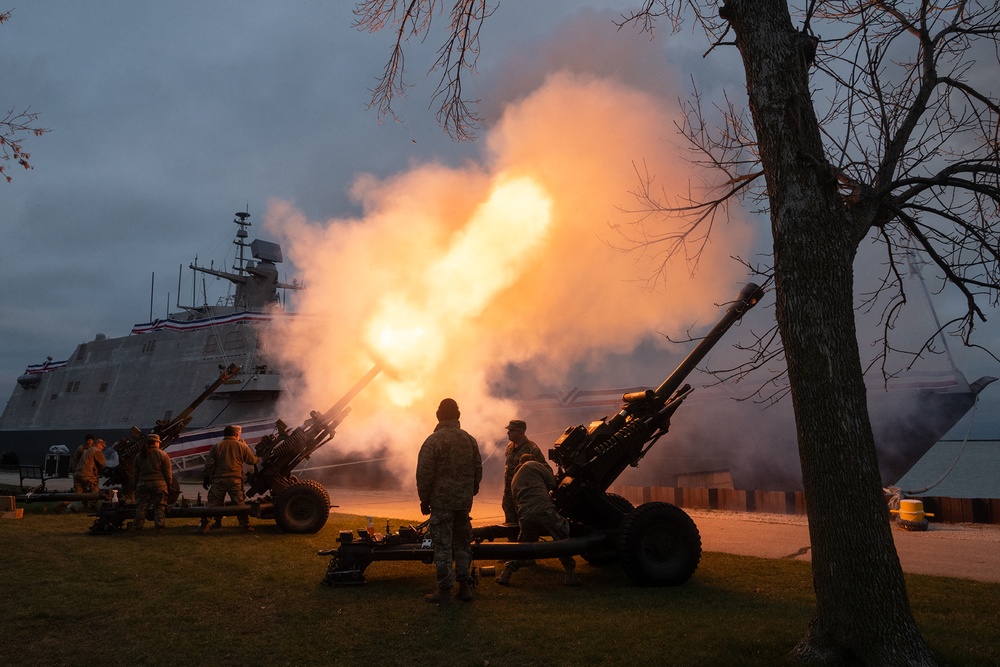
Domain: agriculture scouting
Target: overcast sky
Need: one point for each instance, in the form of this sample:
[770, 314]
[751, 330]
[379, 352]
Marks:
[166, 118]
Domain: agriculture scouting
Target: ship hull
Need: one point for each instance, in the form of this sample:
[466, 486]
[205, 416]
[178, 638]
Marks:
[110, 385]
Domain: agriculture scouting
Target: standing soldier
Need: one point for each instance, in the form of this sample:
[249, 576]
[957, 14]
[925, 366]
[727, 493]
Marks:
[537, 513]
[518, 446]
[224, 475]
[153, 480]
[74, 461]
[86, 476]
[449, 469]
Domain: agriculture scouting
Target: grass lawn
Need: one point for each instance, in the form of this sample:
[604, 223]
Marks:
[229, 598]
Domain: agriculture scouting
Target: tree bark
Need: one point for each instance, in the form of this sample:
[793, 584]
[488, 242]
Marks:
[862, 612]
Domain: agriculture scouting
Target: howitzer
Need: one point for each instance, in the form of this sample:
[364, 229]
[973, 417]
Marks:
[299, 506]
[657, 544]
[273, 492]
[127, 448]
[590, 459]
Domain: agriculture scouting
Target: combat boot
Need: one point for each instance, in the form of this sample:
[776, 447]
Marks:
[504, 577]
[443, 596]
[572, 579]
[464, 591]
[205, 528]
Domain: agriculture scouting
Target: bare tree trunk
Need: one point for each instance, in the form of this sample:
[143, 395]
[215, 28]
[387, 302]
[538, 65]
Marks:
[862, 614]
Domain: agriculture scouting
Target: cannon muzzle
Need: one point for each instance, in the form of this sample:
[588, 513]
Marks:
[747, 299]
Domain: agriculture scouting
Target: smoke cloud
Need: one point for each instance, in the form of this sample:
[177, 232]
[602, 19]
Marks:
[453, 275]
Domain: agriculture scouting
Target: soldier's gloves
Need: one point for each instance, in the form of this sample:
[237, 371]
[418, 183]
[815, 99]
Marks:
[207, 483]
[425, 508]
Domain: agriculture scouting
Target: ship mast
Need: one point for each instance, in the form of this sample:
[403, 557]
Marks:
[257, 281]
[241, 241]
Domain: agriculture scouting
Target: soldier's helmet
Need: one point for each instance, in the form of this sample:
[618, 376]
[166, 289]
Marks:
[152, 439]
[232, 431]
[525, 458]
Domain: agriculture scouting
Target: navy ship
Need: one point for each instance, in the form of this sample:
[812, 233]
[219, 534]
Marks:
[108, 385]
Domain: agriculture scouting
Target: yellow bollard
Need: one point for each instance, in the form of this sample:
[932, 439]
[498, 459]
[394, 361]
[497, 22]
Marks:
[911, 514]
[911, 510]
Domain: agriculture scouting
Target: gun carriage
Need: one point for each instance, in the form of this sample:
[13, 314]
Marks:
[656, 543]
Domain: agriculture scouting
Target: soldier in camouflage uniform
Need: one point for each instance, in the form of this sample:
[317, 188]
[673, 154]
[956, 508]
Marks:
[224, 474]
[86, 477]
[517, 446]
[153, 480]
[88, 442]
[449, 470]
[74, 461]
[537, 513]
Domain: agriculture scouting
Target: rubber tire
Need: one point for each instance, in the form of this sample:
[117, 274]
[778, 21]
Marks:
[659, 545]
[607, 557]
[621, 502]
[916, 526]
[303, 507]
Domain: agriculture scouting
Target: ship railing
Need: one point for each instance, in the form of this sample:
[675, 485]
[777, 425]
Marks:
[184, 464]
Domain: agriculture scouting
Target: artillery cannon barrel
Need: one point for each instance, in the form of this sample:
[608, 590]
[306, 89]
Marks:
[747, 299]
[168, 430]
[226, 375]
[339, 406]
[181, 420]
[283, 451]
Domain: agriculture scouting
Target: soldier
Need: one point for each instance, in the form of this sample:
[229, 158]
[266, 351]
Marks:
[224, 474]
[517, 447]
[74, 461]
[88, 442]
[537, 514]
[153, 479]
[449, 470]
[86, 476]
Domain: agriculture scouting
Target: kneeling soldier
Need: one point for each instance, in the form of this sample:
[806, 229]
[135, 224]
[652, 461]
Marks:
[537, 515]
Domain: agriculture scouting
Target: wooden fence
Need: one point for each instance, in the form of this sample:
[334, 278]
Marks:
[945, 510]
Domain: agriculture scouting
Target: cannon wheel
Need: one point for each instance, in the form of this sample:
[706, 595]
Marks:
[604, 557]
[303, 507]
[659, 545]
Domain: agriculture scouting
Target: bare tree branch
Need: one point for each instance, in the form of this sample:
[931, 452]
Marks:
[910, 139]
[458, 54]
[15, 126]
